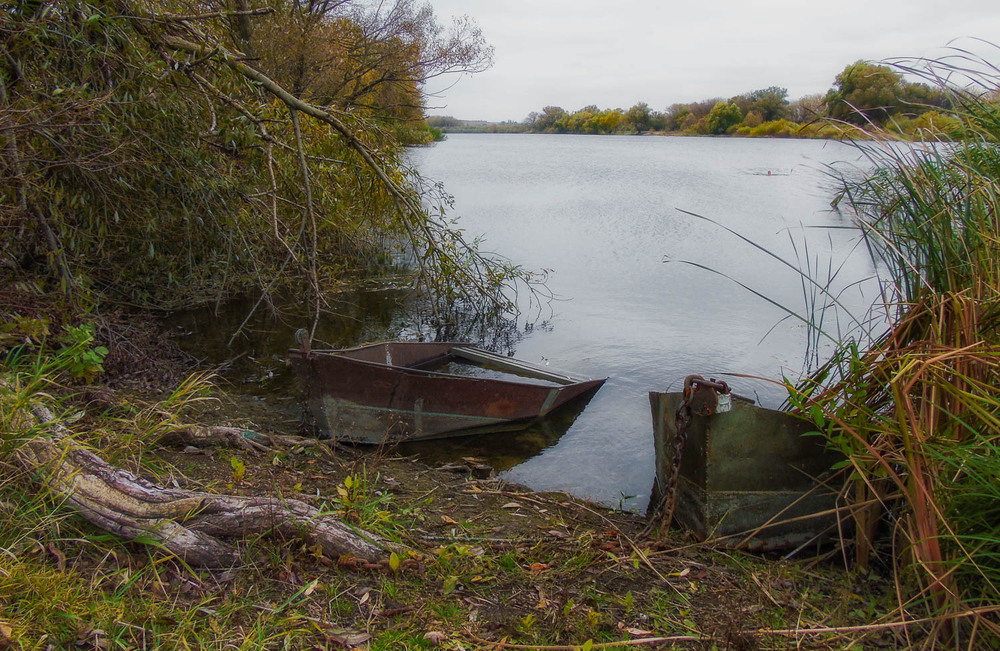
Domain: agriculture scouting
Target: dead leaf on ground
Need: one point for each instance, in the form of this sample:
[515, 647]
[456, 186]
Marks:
[632, 630]
[435, 637]
[346, 637]
[60, 557]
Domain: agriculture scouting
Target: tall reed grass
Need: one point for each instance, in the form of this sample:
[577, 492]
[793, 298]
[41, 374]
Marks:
[917, 410]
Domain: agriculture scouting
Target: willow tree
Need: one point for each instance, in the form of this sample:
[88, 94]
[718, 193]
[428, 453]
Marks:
[147, 158]
[372, 58]
[166, 151]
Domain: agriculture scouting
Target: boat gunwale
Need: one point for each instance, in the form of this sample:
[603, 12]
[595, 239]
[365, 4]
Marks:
[338, 353]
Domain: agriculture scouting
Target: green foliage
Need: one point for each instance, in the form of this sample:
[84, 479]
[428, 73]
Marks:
[723, 116]
[589, 119]
[548, 119]
[639, 118]
[359, 503]
[593, 120]
[775, 129]
[158, 176]
[868, 93]
[864, 93]
[972, 501]
[929, 126]
[770, 103]
[84, 361]
[239, 469]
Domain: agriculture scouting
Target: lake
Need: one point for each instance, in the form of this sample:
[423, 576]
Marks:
[608, 215]
[647, 292]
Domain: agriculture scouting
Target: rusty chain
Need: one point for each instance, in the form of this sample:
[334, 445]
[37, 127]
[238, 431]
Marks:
[700, 398]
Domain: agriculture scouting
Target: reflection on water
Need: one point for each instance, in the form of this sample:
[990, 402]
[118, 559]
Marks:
[255, 361]
[255, 358]
[502, 450]
[604, 213]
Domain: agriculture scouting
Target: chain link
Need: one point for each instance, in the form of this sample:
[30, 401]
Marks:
[700, 397]
[664, 512]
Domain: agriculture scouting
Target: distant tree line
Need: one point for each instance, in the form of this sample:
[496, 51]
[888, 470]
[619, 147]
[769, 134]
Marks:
[863, 94]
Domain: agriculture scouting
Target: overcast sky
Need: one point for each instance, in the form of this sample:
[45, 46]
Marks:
[572, 53]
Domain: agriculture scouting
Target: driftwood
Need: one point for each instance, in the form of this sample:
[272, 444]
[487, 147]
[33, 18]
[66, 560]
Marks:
[202, 436]
[189, 524]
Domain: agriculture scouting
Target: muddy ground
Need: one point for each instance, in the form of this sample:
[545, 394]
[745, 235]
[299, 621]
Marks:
[496, 563]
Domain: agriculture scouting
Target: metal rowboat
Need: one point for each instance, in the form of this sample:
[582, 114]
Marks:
[410, 391]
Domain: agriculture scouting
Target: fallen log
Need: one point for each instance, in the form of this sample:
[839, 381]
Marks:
[207, 436]
[189, 524]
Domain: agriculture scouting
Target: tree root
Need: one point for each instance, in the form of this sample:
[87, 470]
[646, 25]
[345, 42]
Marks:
[189, 524]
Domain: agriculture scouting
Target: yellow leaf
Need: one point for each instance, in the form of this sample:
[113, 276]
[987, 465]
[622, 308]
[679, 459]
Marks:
[239, 469]
[394, 562]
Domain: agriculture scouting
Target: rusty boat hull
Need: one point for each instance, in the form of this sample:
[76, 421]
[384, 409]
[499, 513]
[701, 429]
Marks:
[749, 477]
[412, 391]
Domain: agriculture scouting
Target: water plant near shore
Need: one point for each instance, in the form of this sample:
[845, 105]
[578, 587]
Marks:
[917, 409]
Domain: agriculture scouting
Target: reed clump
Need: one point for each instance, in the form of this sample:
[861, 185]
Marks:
[917, 411]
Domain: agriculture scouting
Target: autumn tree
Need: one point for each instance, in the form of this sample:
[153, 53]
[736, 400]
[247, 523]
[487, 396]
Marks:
[675, 115]
[639, 118]
[723, 116]
[771, 102]
[549, 117]
[147, 157]
[361, 56]
[864, 92]
[807, 108]
[918, 98]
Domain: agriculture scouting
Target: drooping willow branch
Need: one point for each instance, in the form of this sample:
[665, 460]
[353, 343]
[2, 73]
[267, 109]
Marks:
[432, 242]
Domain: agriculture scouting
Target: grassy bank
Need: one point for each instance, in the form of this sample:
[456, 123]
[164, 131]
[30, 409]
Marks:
[487, 564]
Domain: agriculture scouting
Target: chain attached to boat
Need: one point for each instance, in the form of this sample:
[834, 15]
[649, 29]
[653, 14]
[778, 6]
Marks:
[701, 398]
[302, 339]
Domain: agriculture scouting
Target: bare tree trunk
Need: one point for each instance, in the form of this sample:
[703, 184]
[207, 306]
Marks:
[242, 27]
[189, 524]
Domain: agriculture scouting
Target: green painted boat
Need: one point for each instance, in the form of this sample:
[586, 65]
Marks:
[748, 477]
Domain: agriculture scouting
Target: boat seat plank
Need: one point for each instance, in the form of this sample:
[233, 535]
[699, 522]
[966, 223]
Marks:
[431, 364]
[485, 357]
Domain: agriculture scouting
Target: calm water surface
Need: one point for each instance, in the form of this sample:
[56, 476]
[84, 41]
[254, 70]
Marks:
[609, 217]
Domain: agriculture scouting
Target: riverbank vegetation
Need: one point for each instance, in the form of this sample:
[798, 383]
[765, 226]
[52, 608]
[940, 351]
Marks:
[916, 409]
[864, 95]
[159, 154]
[169, 153]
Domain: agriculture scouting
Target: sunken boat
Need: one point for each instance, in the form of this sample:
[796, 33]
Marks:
[411, 391]
[738, 474]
